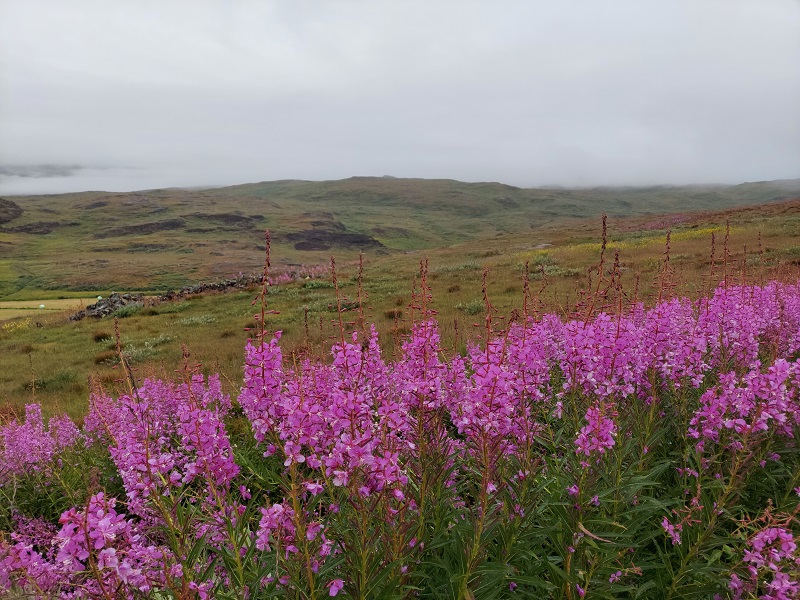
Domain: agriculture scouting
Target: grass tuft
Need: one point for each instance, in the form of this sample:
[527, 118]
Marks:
[198, 320]
[473, 307]
[129, 310]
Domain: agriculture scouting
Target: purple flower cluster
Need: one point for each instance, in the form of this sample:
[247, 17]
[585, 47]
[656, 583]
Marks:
[749, 406]
[344, 420]
[29, 445]
[598, 434]
[359, 412]
[166, 436]
[96, 552]
[773, 566]
[163, 439]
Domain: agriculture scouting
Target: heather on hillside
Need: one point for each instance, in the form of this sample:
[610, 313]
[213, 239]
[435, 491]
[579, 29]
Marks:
[636, 453]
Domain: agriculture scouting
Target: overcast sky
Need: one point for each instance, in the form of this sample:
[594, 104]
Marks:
[124, 95]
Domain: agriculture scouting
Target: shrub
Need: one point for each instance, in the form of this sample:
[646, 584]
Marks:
[198, 320]
[17, 324]
[128, 310]
[317, 284]
[473, 307]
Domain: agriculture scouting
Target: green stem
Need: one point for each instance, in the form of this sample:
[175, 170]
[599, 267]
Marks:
[707, 532]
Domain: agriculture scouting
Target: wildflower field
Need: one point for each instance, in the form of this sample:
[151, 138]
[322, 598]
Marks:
[625, 452]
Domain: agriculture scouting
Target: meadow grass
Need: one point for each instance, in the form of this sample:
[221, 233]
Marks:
[214, 326]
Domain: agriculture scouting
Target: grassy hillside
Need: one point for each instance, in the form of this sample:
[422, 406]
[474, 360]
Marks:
[162, 239]
[51, 359]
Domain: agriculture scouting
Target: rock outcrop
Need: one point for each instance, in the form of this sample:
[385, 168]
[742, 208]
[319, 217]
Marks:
[240, 282]
[107, 306]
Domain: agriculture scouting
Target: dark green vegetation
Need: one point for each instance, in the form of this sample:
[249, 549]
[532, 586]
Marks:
[152, 241]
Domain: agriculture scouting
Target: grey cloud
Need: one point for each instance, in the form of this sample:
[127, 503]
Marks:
[529, 93]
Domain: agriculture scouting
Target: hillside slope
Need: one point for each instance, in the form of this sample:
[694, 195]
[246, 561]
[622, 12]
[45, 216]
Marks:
[161, 239]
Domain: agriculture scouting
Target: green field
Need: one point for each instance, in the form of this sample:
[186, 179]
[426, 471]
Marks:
[62, 249]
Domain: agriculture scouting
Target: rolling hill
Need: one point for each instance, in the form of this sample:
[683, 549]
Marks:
[167, 238]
